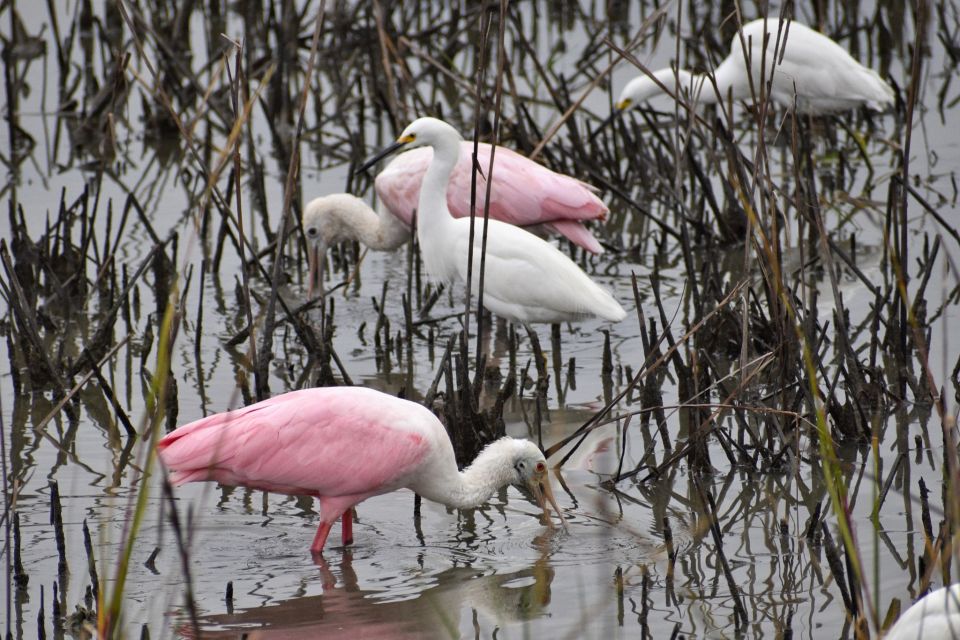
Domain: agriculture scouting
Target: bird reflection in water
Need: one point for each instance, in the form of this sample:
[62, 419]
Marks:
[345, 610]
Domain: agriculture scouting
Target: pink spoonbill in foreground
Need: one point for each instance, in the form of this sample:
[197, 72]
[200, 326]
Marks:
[526, 279]
[343, 445]
[523, 193]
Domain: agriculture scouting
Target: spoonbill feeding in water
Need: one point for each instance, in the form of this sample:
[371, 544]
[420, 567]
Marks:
[807, 71]
[343, 445]
[526, 279]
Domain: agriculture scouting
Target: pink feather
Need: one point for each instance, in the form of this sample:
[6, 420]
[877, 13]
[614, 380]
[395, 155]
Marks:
[524, 193]
[309, 442]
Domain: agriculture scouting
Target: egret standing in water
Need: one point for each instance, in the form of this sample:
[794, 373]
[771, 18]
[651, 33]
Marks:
[811, 73]
[343, 445]
[526, 279]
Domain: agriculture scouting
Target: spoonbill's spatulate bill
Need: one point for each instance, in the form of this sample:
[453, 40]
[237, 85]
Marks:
[810, 73]
[343, 445]
[936, 615]
[525, 279]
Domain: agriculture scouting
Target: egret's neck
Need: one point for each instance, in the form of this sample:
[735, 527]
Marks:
[433, 216]
[695, 85]
[473, 486]
[432, 207]
[644, 87]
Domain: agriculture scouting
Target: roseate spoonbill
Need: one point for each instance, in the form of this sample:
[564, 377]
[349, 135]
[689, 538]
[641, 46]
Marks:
[526, 279]
[811, 73]
[344, 445]
[936, 615]
[524, 193]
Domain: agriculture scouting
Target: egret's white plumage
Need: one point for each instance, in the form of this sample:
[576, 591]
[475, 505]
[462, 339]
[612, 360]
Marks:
[936, 615]
[810, 73]
[525, 278]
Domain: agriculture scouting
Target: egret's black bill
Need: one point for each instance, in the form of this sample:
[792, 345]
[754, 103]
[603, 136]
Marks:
[616, 113]
[374, 159]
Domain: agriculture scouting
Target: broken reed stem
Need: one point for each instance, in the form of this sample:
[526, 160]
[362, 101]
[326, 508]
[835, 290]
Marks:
[56, 520]
[497, 106]
[20, 577]
[262, 371]
[184, 553]
[91, 561]
[237, 83]
[486, 19]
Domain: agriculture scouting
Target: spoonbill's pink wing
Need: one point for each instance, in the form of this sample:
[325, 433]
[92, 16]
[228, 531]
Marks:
[398, 185]
[344, 441]
[524, 193]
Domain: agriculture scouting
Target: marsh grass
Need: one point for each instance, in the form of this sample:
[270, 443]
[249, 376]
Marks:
[755, 364]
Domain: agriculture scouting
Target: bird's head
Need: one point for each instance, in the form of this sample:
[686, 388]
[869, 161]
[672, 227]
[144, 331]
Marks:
[326, 221]
[635, 92]
[422, 132]
[531, 475]
[427, 132]
[314, 220]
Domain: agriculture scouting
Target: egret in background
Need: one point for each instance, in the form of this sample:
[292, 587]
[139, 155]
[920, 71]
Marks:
[807, 72]
[526, 279]
[343, 445]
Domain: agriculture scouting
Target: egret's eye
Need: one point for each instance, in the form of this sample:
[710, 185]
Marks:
[541, 467]
[311, 231]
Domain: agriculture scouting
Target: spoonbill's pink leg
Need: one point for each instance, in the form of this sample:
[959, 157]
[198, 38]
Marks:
[321, 538]
[347, 521]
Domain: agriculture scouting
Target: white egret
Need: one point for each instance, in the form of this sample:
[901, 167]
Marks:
[811, 73]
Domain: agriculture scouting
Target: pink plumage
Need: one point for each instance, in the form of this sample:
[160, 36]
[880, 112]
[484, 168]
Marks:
[306, 443]
[524, 193]
[343, 445]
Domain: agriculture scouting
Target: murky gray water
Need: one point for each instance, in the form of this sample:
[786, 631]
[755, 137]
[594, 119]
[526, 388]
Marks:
[495, 571]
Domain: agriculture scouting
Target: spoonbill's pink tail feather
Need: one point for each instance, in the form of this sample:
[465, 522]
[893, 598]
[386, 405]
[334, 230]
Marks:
[178, 478]
[576, 233]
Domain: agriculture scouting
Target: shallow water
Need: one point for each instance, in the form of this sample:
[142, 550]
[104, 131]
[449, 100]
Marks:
[496, 571]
